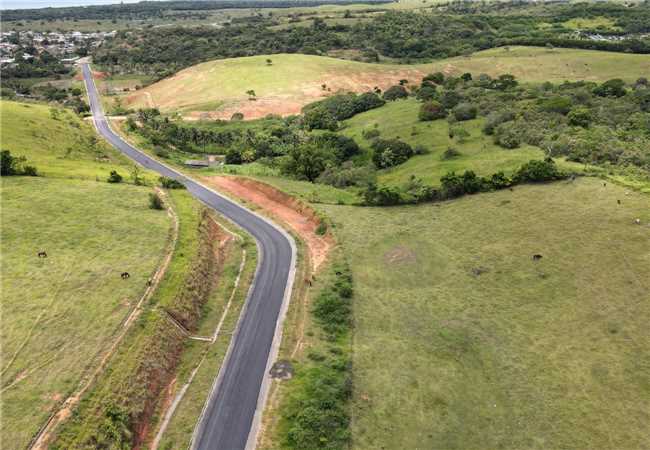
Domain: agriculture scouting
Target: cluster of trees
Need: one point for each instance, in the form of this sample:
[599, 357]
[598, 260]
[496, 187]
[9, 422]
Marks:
[11, 165]
[455, 185]
[325, 114]
[598, 123]
[402, 35]
[144, 10]
[317, 413]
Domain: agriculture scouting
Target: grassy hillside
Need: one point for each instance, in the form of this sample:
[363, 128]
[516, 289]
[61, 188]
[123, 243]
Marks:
[60, 312]
[462, 341]
[218, 88]
[400, 119]
[58, 142]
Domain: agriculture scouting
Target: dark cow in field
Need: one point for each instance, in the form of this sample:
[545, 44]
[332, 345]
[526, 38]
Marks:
[42, 254]
[125, 275]
[537, 257]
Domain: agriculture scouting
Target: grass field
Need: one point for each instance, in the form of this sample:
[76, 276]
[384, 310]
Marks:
[60, 312]
[463, 342]
[218, 88]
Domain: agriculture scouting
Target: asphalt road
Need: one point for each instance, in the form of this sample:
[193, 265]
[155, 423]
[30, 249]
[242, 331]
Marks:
[228, 416]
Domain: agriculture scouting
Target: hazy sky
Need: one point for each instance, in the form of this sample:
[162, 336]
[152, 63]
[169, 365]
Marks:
[25, 4]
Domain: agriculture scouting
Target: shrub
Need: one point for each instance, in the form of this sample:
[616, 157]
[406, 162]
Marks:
[307, 162]
[504, 82]
[237, 116]
[368, 101]
[234, 155]
[507, 136]
[9, 164]
[374, 195]
[560, 105]
[499, 181]
[580, 117]
[450, 153]
[155, 202]
[390, 152]
[437, 77]
[370, 134]
[449, 99]
[170, 183]
[343, 147]
[611, 88]
[431, 110]
[495, 119]
[395, 92]
[161, 152]
[320, 119]
[426, 93]
[465, 111]
[538, 170]
[30, 171]
[347, 175]
[114, 177]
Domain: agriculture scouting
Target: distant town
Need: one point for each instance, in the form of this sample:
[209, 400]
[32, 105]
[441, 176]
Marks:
[68, 47]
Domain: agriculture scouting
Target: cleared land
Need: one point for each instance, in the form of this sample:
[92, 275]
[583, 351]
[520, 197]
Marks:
[60, 312]
[217, 89]
[462, 341]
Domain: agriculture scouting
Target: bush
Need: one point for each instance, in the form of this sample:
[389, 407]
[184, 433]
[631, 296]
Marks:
[9, 164]
[343, 147]
[155, 202]
[560, 105]
[237, 116]
[30, 171]
[465, 111]
[437, 78]
[496, 118]
[320, 119]
[507, 136]
[449, 99]
[538, 170]
[370, 134]
[161, 152]
[307, 162]
[395, 92]
[234, 155]
[426, 93]
[450, 153]
[611, 88]
[347, 175]
[431, 110]
[374, 195]
[170, 183]
[114, 177]
[580, 117]
[390, 152]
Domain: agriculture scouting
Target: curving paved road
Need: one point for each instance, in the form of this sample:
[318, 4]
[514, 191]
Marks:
[231, 413]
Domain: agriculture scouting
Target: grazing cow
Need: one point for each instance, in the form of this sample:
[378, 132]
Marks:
[125, 275]
[604, 184]
[149, 282]
[618, 201]
[637, 221]
[537, 257]
[42, 254]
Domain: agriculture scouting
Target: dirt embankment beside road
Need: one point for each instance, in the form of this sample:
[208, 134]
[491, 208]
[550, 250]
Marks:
[302, 219]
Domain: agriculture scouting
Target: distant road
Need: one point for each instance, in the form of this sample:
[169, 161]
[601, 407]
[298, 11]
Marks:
[228, 417]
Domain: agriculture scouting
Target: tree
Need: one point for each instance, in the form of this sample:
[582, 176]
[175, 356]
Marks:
[307, 161]
[320, 119]
[9, 164]
[390, 152]
[251, 94]
[155, 202]
[466, 77]
[269, 62]
[505, 82]
[437, 77]
[395, 92]
[580, 116]
[538, 170]
[426, 92]
[114, 177]
[611, 88]
[465, 111]
[431, 110]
